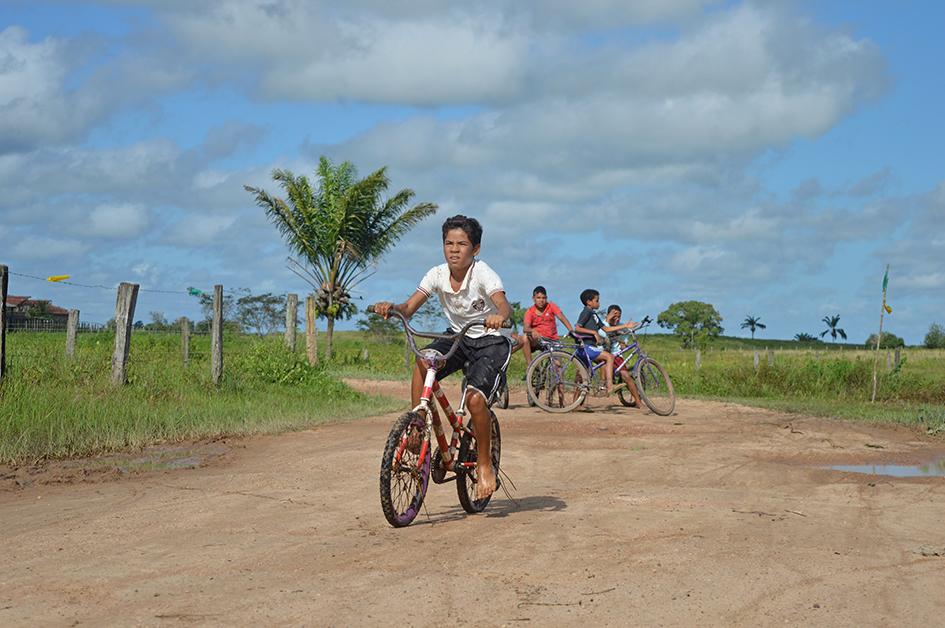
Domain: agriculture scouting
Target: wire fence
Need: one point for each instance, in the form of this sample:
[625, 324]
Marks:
[25, 316]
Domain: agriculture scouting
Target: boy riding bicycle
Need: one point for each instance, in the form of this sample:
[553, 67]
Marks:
[468, 290]
[614, 325]
[589, 323]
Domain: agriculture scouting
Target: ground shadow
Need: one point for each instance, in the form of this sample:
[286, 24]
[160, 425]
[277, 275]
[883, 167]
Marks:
[500, 506]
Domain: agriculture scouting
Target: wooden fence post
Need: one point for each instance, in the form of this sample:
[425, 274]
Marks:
[185, 339]
[124, 320]
[698, 359]
[757, 360]
[4, 272]
[898, 359]
[888, 361]
[291, 320]
[770, 357]
[311, 334]
[72, 325]
[216, 337]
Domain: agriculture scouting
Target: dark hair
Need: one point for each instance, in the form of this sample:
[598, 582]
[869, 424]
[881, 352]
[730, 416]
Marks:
[589, 294]
[470, 225]
[611, 308]
[539, 290]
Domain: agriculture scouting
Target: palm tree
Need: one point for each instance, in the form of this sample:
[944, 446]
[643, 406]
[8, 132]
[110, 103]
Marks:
[753, 322]
[339, 229]
[832, 329]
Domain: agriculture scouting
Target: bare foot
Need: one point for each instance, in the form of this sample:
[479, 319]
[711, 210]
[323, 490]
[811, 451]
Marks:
[485, 485]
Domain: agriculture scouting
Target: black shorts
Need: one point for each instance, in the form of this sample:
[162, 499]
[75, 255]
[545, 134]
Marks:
[487, 358]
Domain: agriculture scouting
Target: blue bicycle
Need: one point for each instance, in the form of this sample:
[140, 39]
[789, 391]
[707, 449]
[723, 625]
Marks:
[561, 377]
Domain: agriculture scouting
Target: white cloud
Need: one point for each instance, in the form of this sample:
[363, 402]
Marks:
[200, 231]
[123, 220]
[32, 248]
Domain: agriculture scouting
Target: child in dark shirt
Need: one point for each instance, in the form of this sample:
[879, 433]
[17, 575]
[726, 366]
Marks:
[590, 324]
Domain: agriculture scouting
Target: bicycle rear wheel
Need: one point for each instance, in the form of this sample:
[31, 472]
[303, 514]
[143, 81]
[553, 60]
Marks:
[557, 381]
[466, 478]
[655, 387]
[502, 397]
[626, 398]
[404, 476]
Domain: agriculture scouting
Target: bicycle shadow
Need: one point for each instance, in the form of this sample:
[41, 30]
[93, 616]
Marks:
[500, 506]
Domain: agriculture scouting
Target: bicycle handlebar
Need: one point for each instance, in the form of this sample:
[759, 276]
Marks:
[644, 323]
[411, 332]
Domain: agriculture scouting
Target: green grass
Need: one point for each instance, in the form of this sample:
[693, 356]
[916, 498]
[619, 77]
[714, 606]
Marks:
[823, 379]
[54, 407]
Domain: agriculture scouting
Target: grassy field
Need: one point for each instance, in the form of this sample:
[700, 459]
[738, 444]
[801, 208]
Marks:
[822, 379]
[54, 407]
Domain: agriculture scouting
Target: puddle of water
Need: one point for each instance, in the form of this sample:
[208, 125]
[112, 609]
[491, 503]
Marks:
[933, 468]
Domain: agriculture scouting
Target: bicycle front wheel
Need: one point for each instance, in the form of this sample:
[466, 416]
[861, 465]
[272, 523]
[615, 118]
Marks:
[469, 474]
[557, 381]
[655, 387]
[404, 476]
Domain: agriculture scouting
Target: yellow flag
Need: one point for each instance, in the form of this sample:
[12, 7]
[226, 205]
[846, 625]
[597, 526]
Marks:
[58, 278]
[887, 308]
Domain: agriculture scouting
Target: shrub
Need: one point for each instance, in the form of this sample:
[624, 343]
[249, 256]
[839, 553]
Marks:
[889, 341]
[935, 339]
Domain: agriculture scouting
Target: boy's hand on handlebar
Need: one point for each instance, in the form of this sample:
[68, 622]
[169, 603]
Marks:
[495, 321]
[383, 309]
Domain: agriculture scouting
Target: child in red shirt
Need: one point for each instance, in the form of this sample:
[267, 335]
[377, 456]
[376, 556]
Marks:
[540, 323]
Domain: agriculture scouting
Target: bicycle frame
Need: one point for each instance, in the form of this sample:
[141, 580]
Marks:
[434, 360]
[434, 426]
[629, 350]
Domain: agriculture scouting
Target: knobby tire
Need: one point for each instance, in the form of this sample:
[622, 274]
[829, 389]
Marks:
[403, 488]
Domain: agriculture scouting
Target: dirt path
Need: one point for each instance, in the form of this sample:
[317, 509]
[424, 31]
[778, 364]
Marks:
[718, 515]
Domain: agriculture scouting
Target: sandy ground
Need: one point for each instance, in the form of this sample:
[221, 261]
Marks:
[720, 514]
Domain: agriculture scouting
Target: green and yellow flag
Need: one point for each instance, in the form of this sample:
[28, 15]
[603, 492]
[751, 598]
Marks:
[885, 285]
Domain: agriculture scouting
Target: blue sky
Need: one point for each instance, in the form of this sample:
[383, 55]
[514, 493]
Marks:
[767, 157]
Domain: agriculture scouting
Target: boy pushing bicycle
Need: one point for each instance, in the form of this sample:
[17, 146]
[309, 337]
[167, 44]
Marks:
[468, 290]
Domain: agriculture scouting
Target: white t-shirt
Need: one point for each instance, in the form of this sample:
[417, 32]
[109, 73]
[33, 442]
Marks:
[473, 300]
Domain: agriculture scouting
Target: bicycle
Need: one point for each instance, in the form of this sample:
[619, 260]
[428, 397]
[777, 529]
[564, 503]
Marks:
[562, 376]
[407, 464]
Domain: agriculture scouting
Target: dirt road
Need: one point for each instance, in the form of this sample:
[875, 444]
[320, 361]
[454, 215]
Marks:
[718, 515]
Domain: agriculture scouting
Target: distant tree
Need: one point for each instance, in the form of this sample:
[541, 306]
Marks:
[229, 304]
[429, 317]
[381, 330]
[832, 329]
[39, 309]
[935, 339]
[261, 313]
[888, 341]
[753, 322]
[518, 315]
[805, 337]
[694, 322]
[339, 228]
[158, 321]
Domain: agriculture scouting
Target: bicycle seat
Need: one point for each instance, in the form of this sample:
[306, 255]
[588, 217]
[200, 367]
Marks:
[580, 337]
